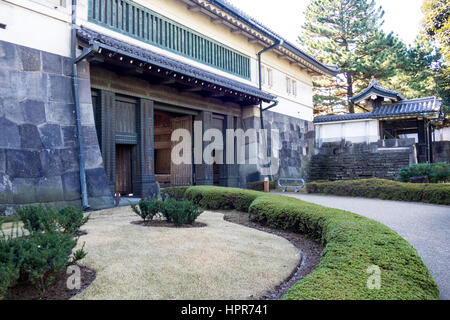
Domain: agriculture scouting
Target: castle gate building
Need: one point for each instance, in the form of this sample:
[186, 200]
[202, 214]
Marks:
[143, 69]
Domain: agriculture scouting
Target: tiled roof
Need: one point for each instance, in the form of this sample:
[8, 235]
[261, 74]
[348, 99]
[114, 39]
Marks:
[344, 117]
[409, 107]
[331, 70]
[375, 88]
[162, 61]
[422, 106]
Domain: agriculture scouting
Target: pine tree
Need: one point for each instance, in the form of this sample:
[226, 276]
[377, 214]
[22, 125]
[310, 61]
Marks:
[437, 23]
[437, 28]
[416, 72]
[347, 33]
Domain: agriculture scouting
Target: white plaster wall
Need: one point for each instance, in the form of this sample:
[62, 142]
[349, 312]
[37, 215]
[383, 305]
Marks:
[354, 131]
[442, 134]
[40, 25]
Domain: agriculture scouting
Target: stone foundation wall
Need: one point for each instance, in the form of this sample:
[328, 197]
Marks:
[38, 140]
[296, 142]
[348, 161]
[441, 151]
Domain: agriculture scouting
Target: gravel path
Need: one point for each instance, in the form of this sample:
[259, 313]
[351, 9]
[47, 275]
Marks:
[425, 226]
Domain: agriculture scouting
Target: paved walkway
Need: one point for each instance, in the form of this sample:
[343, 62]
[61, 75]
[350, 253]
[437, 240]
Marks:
[426, 227]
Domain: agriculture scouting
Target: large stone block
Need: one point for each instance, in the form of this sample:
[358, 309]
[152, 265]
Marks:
[51, 136]
[2, 161]
[9, 134]
[67, 66]
[51, 63]
[29, 85]
[60, 113]
[24, 190]
[23, 164]
[71, 186]
[87, 114]
[49, 189]
[30, 59]
[4, 79]
[33, 111]
[11, 110]
[6, 189]
[69, 136]
[83, 70]
[60, 88]
[8, 55]
[84, 90]
[93, 158]
[90, 137]
[51, 162]
[29, 137]
[69, 159]
[97, 183]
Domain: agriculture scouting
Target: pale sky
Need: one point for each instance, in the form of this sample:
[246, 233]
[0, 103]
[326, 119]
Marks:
[403, 17]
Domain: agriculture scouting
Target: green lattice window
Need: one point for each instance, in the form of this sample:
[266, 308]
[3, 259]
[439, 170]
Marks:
[143, 24]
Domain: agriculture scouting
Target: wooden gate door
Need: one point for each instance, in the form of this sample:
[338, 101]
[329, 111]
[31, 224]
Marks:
[218, 154]
[181, 175]
[124, 183]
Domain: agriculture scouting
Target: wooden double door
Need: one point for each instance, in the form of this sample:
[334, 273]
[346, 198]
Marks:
[181, 174]
[167, 173]
[126, 139]
[124, 172]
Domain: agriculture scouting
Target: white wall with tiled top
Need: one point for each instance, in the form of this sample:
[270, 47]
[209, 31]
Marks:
[356, 131]
[39, 24]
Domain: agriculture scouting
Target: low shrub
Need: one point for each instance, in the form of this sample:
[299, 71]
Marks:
[147, 209]
[259, 185]
[384, 189]
[9, 266]
[180, 212]
[352, 243]
[38, 219]
[436, 172]
[71, 220]
[42, 253]
[173, 192]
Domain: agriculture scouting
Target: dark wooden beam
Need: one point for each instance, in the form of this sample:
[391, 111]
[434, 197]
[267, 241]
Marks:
[169, 81]
[194, 89]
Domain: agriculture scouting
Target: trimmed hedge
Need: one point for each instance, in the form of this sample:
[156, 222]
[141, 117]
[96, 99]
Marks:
[384, 189]
[216, 198]
[176, 193]
[353, 244]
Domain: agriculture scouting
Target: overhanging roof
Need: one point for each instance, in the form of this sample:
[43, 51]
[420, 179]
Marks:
[316, 65]
[405, 108]
[375, 89]
[420, 106]
[98, 40]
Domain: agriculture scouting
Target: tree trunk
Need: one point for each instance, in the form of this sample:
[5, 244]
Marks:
[351, 106]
